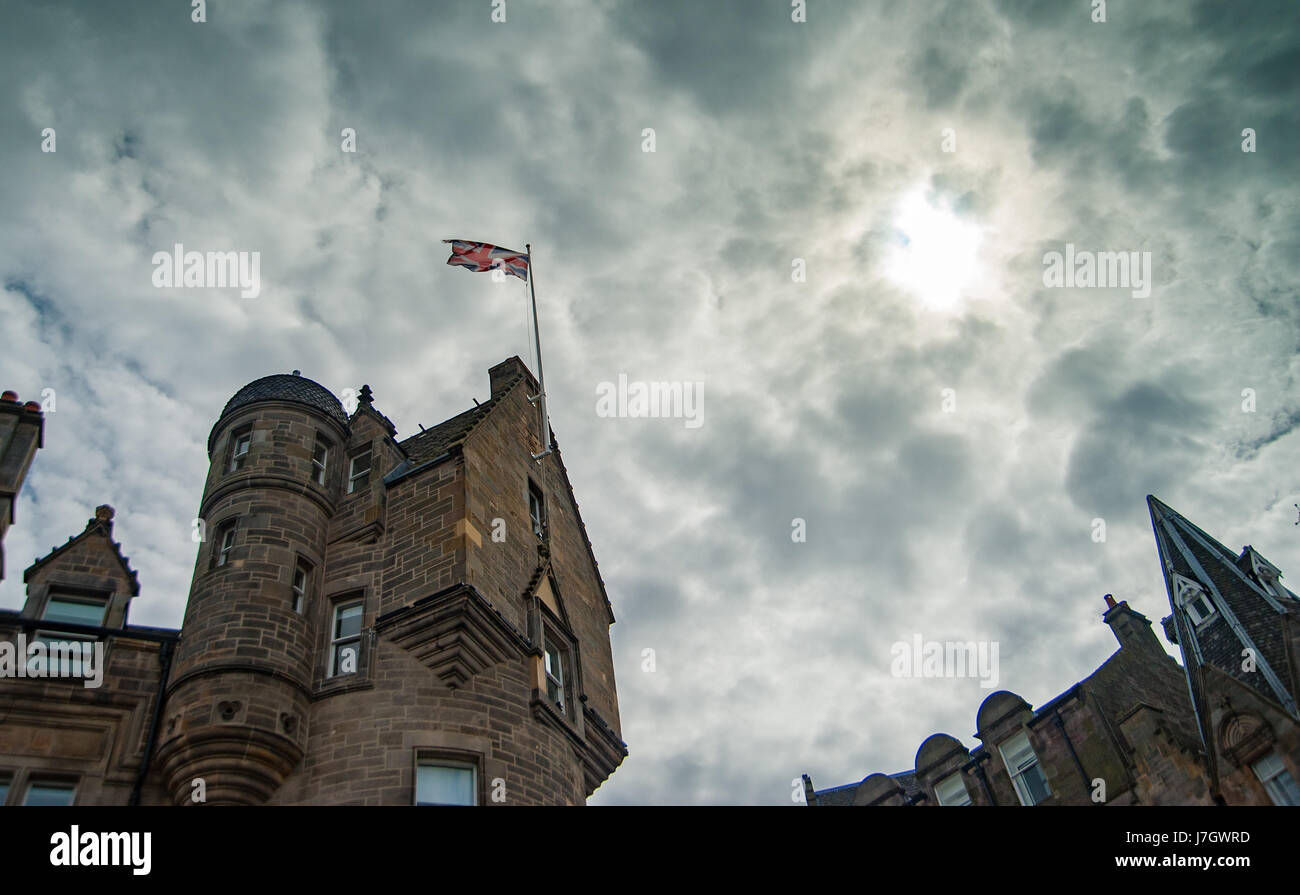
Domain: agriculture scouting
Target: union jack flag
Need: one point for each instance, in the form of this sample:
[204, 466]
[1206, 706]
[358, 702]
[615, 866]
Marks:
[481, 256]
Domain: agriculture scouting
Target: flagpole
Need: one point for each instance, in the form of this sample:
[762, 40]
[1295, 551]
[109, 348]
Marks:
[541, 377]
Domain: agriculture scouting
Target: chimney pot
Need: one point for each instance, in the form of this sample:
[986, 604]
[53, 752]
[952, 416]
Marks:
[1110, 601]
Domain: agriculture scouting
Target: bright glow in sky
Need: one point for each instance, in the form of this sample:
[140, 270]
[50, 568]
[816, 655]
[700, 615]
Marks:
[937, 255]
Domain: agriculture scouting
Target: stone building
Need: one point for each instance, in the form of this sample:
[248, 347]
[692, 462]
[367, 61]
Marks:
[1221, 728]
[22, 434]
[371, 621]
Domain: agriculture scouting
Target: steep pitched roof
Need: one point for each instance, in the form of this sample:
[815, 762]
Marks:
[101, 525]
[1247, 615]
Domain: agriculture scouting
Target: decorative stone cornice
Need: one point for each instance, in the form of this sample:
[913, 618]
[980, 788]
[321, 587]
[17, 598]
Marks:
[457, 633]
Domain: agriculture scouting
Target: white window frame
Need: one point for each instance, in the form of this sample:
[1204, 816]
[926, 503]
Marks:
[951, 798]
[320, 468]
[336, 641]
[536, 509]
[226, 544]
[449, 764]
[1277, 781]
[61, 597]
[1268, 574]
[300, 568]
[241, 436]
[353, 474]
[1017, 747]
[552, 646]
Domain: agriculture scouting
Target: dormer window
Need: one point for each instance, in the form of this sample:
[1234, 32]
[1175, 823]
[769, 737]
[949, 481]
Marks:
[240, 442]
[359, 472]
[951, 791]
[1193, 599]
[1022, 765]
[1267, 574]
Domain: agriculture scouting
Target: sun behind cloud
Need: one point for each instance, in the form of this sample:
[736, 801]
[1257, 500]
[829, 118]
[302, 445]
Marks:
[936, 253]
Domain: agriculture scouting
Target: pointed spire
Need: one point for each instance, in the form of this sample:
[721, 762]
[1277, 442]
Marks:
[1220, 608]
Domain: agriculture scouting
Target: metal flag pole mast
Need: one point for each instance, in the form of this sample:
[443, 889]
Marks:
[541, 377]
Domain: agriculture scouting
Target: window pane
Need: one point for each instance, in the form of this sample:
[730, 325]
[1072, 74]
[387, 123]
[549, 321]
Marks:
[951, 791]
[1268, 766]
[4, 791]
[1283, 790]
[77, 612]
[535, 510]
[1278, 782]
[42, 794]
[1035, 785]
[1017, 752]
[441, 785]
[65, 654]
[347, 656]
[348, 621]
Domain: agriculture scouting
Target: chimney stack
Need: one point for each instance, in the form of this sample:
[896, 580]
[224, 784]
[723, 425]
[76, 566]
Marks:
[1131, 628]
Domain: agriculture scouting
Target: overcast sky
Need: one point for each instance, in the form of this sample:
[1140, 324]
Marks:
[774, 140]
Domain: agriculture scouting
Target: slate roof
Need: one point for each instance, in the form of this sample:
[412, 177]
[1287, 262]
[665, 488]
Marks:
[837, 796]
[1247, 615]
[284, 387]
[434, 441]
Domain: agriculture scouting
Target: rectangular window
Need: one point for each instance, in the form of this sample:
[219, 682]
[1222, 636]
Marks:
[1278, 782]
[1022, 765]
[5, 780]
[301, 577]
[359, 474]
[555, 662]
[225, 544]
[240, 441]
[75, 610]
[536, 509]
[49, 792]
[445, 783]
[345, 644]
[319, 457]
[952, 791]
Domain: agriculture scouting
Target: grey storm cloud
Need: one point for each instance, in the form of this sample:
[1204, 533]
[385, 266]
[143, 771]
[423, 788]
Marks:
[777, 144]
